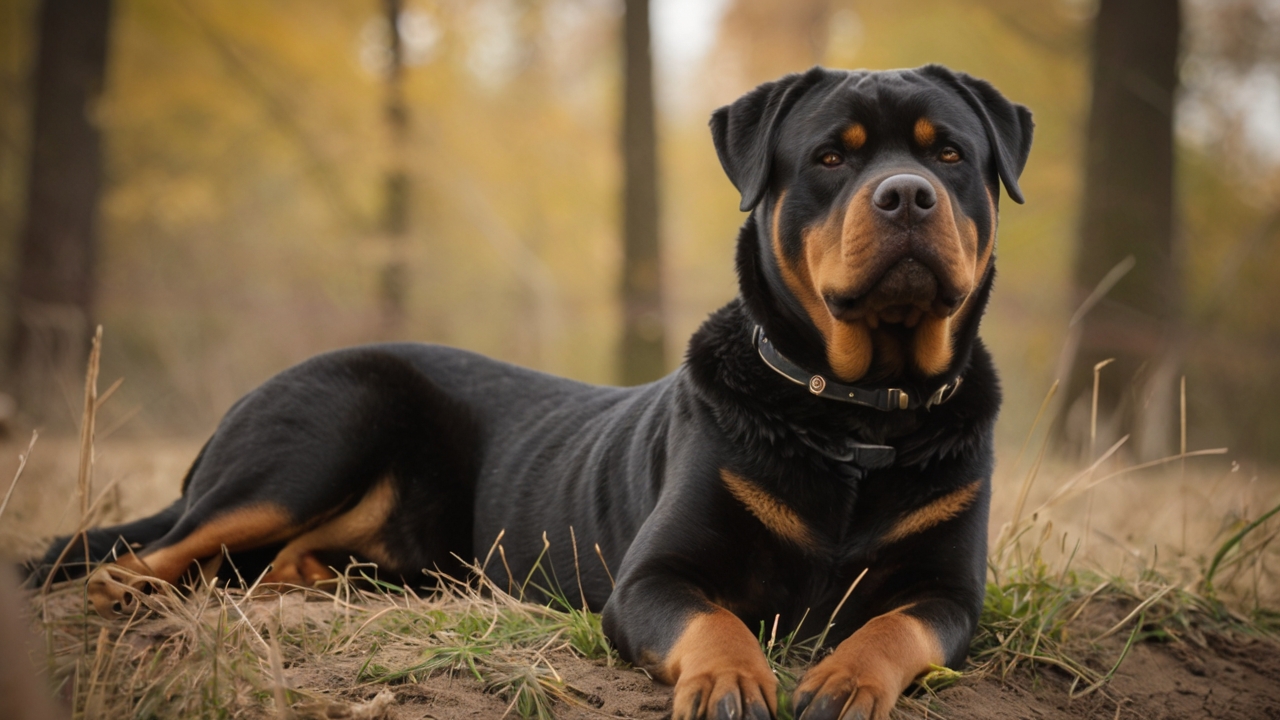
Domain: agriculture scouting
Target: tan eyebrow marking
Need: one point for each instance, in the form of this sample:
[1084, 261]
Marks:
[855, 136]
[925, 133]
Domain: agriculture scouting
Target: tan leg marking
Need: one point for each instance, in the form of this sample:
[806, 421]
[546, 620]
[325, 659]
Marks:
[935, 513]
[869, 670]
[356, 530]
[240, 529]
[300, 569]
[116, 588]
[113, 588]
[781, 520]
[715, 661]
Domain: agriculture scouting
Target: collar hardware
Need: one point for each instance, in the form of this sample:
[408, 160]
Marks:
[884, 399]
[944, 393]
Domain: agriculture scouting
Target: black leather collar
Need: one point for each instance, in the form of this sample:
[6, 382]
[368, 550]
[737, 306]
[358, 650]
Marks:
[886, 399]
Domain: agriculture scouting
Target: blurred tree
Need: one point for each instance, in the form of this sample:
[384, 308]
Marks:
[1128, 212]
[59, 237]
[773, 38]
[394, 280]
[643, 349]
[1229, 183]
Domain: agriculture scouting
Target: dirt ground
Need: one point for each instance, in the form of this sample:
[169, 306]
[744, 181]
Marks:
[1203, 675]
[1231, 677]
[1218, 675]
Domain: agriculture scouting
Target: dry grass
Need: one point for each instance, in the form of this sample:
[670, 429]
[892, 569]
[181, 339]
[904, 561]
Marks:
[214, 652]
[210, 651]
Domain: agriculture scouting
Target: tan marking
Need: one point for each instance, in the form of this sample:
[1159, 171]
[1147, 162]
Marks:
[114, 589]
[855, 136]
[117, 586]
[924, 133]
[879, 660]
[848, 345]
[240, 529]
[781, 520]
[935, 513]
[983, 263]
[357, 531]
[714, 655]
[304, 570]
[957, 244]
[133, 563]
[932, 345]
[209, 567]
[850, 352]
[932, 341]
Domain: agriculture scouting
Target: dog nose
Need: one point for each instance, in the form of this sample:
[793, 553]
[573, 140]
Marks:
[905, 197]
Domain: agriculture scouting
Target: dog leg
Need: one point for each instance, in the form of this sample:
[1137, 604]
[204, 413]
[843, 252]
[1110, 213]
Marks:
[714, 661]
[356, 531]
[114, 588]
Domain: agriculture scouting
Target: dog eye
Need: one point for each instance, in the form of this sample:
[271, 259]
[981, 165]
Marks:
[832, 159]
[949, 155]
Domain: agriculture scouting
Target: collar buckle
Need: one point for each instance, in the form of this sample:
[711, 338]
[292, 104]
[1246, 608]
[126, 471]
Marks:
[944, 393]
[899, 399]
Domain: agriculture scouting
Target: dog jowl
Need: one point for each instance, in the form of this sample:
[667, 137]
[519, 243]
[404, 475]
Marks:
[832, 422]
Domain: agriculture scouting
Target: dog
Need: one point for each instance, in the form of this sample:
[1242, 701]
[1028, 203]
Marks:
[831, 427]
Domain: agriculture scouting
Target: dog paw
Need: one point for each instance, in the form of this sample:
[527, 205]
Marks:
[724, 695]
[295, 570]
[719, 671]
[840, 690]
[117, 590]
[863, 678]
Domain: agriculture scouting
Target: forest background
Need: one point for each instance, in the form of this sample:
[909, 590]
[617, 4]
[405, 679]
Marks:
[250, 169]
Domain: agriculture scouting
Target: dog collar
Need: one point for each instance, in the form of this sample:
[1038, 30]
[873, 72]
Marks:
[886, 399]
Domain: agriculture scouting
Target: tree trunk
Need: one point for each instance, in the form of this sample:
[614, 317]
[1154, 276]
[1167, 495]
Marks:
[59, 238]
[1129, 211]
[393, 283]
[643, 349]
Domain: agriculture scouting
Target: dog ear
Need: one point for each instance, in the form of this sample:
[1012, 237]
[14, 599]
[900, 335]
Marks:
[1008, 124]
[745, 132]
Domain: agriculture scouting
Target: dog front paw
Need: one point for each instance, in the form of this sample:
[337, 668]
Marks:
[863, 678]
[724, 694]
[719, 671]
[840, 688]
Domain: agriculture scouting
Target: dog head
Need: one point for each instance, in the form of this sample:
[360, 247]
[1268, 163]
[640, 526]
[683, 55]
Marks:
[874, 199]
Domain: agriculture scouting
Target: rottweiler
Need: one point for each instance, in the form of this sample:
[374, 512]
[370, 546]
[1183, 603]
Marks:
[831, 424]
